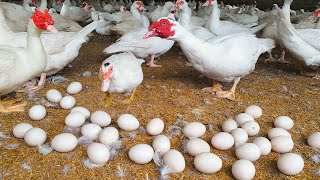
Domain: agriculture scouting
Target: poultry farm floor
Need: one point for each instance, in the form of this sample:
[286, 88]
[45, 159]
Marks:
[172, 92]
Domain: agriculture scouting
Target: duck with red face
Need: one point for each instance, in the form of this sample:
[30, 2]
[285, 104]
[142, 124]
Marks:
[19, 65]
[219, 58]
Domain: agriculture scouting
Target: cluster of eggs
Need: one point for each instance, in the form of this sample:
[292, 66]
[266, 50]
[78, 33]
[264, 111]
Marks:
[235, 134]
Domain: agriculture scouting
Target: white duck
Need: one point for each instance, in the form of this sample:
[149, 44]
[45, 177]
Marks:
[310, 36]
[161, 11]
[186, 14]
[61, 48]
[134, 22]
[108, 7]
[103, 25]
[121, 73]
[136, 43]
[77, 14]
[220, 58]
[19, 65]
[218, 27]
[290, 39]
[185, 21]
[244, 18]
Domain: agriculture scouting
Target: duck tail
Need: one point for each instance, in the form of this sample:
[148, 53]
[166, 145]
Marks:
[266, 45]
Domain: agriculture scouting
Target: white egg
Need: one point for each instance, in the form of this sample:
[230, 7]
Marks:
[54, 96]
[98, 153]
[128, 122]
[263, 144]
[251, 127]
[91, 130]
[74, 87]
[194, 130]
[222, 141]
[35, 137]
[243, 170]
[20, 129]
[67, 102]
[207, 163]
[274, 132]
[155, 126]
[161, 144]
[254, 110]
[174, 160]
[75, 119]
[37, 112]
[101, 118]
[283, 122]
[242, 118]
[248, 151]
[108, 135]
[197, 146]
[229, 125]
[282, 144]
[240, 137]
[141, 153]
[64, 142]
[290, 164]
[83, 110]
[314, 140]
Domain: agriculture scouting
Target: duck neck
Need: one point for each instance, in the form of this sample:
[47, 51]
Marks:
[185, 16]
[26, 5]
[215, 14]
[188, 43]
[34, 47]
[286, 9]
[44, 5]
[135, 13]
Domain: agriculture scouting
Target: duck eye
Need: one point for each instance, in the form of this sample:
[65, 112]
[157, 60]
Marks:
[106, 64]
[164, 23]
[37, 15]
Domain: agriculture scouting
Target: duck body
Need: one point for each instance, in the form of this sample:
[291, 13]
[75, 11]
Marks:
[127, 73]
[19, 65]
[136, 43]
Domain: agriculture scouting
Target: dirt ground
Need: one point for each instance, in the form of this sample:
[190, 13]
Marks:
[171, 93]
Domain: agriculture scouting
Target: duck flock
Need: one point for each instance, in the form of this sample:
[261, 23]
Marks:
[223, 42]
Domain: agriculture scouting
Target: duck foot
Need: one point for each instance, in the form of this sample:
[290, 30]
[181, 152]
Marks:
[8, 105]
[152, 62]
[215, 88]
[227, 95]
[270, 58]
[282, 60]
[31, 86]
[107, 100]
[231, 95]
[132, 97]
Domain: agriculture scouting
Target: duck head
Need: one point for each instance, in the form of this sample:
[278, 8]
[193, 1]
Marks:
[43, 20]
[123, 9]
[179, 5]
[163, 28]
[106, 71]
[91, 8]
[139, 6]
[83, 5]
[208, 3]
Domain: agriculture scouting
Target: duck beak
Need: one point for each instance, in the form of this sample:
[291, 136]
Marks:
[106, 77]
[149, 34]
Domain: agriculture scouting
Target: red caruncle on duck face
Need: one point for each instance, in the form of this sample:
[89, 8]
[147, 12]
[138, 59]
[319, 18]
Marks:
[179, 4]
[161, 28]
[43, 20]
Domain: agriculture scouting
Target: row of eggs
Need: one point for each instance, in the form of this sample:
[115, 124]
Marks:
[204, 161]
